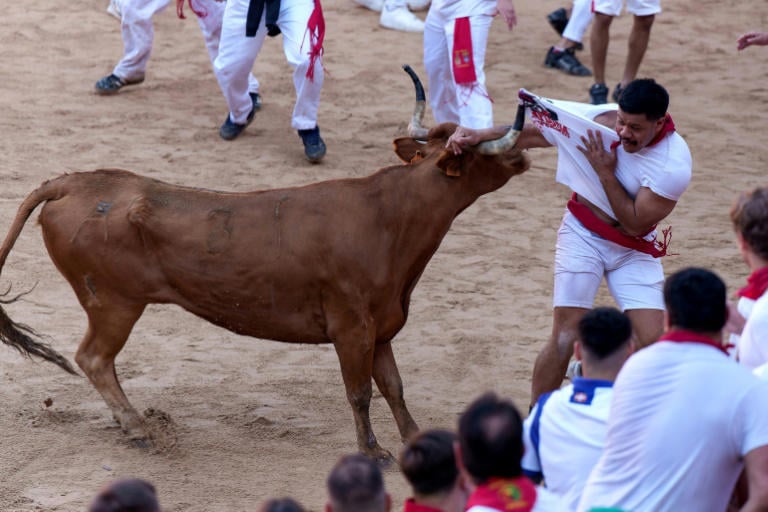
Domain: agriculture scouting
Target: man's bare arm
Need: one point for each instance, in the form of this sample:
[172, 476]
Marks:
[530, 137]
[756, 468]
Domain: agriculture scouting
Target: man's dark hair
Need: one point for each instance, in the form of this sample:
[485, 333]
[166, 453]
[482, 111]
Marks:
[750, 219]
[428, 462]
[356, 484]
[603, 331]
[282, 505]
[645, 96]
[491, 438]
[695, 299]
[127, 495]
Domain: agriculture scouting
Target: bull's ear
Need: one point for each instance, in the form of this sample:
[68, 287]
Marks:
[409, 149]
[451, 164]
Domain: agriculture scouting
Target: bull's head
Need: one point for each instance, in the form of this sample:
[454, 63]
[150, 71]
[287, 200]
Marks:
[423, 142]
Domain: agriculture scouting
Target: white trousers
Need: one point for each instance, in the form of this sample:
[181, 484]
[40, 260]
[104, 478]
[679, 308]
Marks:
[138, 34]
[237, 55]
[465, 104]
[581, 16]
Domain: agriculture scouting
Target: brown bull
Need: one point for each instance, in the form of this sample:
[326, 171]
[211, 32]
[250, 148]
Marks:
[332, 262]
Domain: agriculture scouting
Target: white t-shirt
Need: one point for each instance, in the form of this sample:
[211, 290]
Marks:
[564, 438]
[682, 418]
[753, 344]
[664, 168]
[744, 307]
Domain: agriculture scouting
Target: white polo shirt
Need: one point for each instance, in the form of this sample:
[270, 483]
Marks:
[682, 418]
[564, 436]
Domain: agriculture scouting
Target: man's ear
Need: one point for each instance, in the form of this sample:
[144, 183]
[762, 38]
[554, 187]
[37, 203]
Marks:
[388, 502]
[328, 507]
[577, 350]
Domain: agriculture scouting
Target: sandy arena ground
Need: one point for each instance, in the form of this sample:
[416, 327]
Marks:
[240, 420]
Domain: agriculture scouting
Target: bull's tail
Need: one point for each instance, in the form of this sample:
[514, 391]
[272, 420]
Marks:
[20, 336]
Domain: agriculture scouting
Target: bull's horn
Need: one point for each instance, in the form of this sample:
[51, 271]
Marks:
[508, 140]
[415, 129]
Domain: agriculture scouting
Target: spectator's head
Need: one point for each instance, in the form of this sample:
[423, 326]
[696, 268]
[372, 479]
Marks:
[645, 96]
[281, 505]
[356, 484]
[604, 344]
[428, 462]
[695, 299]
[490, 439]
[750, 221]
[127, 495]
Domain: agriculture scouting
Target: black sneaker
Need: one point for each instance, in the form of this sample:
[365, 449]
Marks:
[558, 19]
[617, 92]
[566, 61]
[598, 94]
[314, 147]
[255, 101]
[111, 84]
[231, 130]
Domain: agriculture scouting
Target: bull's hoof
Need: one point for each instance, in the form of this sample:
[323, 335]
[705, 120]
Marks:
[382, 457]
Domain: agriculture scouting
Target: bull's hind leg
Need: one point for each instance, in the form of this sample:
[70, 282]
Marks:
[108, 330]
[390, 384]
[354, 342]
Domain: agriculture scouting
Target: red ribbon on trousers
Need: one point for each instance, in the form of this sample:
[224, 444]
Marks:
[463, 62]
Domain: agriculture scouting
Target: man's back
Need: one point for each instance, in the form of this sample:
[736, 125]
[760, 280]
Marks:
[682, 417]
[565, 440]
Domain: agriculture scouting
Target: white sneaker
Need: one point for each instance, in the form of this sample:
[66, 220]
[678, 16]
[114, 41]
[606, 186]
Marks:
[114, 9]
[400, 18]
[419, 5]
[374, 5]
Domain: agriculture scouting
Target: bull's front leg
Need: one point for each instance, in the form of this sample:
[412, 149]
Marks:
[388, 380]
[353, 337]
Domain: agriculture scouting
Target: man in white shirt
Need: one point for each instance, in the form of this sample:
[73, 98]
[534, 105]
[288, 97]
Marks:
[565, 431]
[625, 181]
[685, 419]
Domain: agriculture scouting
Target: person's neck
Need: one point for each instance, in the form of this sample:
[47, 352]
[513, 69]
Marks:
[597, 373]
[715, 336]
[755, 262]
[453, 501]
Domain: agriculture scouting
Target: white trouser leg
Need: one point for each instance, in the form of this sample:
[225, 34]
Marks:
[581, 17]
[441, 90]
[294, 16]
[138, 33]
[234, 62]
[210, 26]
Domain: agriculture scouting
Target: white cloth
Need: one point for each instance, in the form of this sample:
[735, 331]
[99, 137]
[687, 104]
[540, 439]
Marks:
[744, 307]
[138, 32]
[636, 7]
[682, 418]
[753, 343]
[664, 168]
[761, 372]
[564, 436]
[465, 104]
[237, 55]
[581, 17]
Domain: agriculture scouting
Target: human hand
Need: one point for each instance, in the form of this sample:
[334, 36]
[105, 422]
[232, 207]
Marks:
[752, 38]
[507, 11]
[462, 138]
[735, 323]
[602, 161]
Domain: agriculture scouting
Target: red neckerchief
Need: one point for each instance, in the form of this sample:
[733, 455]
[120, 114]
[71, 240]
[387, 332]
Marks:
[412, 506]
[684, 336]
[316, 29]
[518, 494]
[757, 283]
[597, 225]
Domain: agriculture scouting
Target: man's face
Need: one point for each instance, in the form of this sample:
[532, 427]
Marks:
[636, 130]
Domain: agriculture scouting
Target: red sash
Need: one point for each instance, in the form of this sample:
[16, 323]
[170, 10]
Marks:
[757, 283]
[684, 336]
[316, 28]
[463, 62]
[597, 225]
[518, 494]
